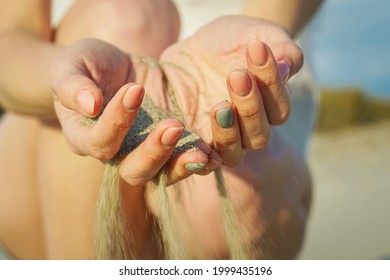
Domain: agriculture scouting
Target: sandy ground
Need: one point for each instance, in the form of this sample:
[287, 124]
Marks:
[350, 217]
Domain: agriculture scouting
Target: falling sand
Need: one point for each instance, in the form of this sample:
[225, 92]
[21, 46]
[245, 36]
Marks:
[113, 237]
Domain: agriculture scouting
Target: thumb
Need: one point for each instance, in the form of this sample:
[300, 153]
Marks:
[79, 93]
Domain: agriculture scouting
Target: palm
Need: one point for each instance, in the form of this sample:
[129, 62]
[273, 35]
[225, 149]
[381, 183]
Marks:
[97, 63]
[222, 43]
[197, 67]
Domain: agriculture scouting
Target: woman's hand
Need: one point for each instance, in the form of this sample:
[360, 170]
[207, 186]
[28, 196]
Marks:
[92, 75]
[265, 56]
[87, 77]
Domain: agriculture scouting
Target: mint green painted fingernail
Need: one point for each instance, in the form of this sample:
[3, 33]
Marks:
[225, 117]
[195, 166]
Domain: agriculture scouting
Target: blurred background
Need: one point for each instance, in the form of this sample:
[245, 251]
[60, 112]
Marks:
[349, 154]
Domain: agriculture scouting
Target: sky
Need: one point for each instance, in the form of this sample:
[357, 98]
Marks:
[350, 45]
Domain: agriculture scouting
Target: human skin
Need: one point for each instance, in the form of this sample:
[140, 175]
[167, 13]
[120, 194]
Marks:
[37, 229]
[60, 188]
[269, 70]
[271, 206]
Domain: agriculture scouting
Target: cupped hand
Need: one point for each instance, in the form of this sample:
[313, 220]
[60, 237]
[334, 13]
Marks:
[95, 79]
[88, 76]
[264, 57]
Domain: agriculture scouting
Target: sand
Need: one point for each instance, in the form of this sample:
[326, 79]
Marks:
[350, 218]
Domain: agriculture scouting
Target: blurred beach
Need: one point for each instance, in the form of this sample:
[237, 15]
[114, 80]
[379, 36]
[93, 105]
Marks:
[350, 165]
[349, 153]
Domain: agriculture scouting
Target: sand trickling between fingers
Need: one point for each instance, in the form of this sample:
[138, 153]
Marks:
[113, 237]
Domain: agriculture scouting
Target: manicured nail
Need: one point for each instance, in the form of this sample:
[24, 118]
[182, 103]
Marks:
[240, 82]
[86, 102]
[133, 97]
[195, 166]
[258, 53]
[224, 117]
[284, 70]
[171, 135]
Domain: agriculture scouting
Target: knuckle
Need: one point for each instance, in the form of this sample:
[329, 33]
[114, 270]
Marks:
[259, 142]
[156, 159]
[268, 80]
[135, 175]
[233, 161]
[119, 125]
[227, 139]
[249, 112]
[102, 153]
[280, 116]
[133, 179]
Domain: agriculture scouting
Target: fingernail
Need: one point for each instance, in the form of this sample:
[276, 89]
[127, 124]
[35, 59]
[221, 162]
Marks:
[257, 52]
[133, 97]
[86, 102]
[224, 117]
[284, 70]
[171, 135]
[240, 82]
[195, 166]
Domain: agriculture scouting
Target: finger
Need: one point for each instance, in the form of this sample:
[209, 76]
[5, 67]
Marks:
[144, 163]
[226, 133]
[270, 81]
[107, 135]
[214, 162]
[79, 93]
[102, 138]
[252, 118]
[188, 163]
[291, 54]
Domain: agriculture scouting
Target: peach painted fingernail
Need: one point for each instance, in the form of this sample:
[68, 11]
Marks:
[240, 82]
[171, 135]
[86, 102]
[133, 96]
[258, 53]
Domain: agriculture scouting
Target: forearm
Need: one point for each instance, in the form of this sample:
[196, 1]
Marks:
[292, 14]
[24, 72]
